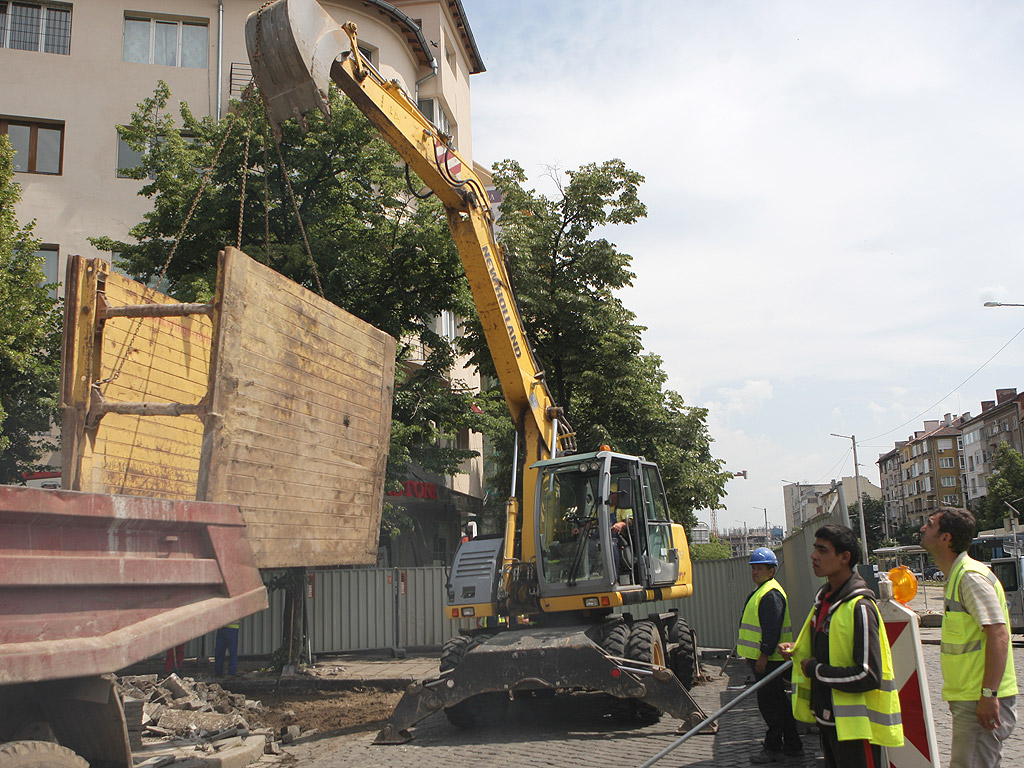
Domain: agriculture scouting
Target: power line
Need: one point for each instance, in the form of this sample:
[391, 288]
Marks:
[940, 400]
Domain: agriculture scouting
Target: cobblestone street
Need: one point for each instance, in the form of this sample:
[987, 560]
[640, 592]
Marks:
[570, 730]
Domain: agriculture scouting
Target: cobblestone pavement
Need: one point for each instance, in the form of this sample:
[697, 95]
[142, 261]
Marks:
[571, 730]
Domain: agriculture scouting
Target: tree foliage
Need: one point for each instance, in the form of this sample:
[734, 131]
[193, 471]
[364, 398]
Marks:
[714, 550]
[376, 250]
[567, 281]
[1006, 485]
[874, 522]
[30, 334]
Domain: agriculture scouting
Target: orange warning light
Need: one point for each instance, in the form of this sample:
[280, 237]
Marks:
[904, 584]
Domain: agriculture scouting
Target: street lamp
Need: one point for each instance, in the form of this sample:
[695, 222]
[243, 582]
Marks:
[860, 499]
[1001, 304]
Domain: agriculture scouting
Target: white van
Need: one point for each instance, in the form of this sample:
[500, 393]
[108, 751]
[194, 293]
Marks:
[1010, 572]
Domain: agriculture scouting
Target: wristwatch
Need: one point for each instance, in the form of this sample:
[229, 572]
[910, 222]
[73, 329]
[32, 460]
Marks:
[988, 693]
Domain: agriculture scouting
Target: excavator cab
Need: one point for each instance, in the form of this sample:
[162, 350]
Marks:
[602, 526]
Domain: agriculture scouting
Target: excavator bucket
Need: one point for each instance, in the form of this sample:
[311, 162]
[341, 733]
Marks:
[292, 45]
[539, 659]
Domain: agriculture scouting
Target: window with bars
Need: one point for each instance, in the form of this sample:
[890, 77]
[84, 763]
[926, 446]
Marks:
[38, 146]
[42, 27]
[165, 41]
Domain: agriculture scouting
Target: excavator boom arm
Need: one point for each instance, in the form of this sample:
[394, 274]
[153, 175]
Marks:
[296, 50]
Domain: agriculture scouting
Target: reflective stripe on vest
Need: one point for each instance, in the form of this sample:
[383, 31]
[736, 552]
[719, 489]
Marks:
[749, 643]
[963, 641]
[872, 715]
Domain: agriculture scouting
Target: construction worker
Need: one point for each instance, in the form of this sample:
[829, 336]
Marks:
[978, 676]
[842, 664]
[226, 643]
[764, 624]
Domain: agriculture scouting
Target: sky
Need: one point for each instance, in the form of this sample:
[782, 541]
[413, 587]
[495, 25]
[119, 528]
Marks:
[833, 191]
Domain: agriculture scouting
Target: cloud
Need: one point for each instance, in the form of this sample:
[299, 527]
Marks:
[833, 191]
[749, 398]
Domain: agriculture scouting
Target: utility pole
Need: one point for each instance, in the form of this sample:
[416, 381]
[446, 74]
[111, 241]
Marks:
[860, 498]
[767, 534]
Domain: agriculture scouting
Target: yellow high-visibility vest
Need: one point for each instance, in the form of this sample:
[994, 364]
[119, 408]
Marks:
[872, 715]
[963, 641]
[749, 643]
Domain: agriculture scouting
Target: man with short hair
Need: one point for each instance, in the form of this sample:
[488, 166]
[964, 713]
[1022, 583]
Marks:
[842, 664]
[978, 676]
[763, 625]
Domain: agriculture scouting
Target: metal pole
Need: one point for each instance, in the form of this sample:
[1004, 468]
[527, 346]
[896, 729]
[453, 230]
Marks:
[775, 673]
[860, 500]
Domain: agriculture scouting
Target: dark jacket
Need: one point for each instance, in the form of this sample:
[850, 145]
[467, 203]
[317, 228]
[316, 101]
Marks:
[770, 613]
[866, 674]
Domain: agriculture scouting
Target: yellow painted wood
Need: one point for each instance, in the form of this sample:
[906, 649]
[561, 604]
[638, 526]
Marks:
[300, 394]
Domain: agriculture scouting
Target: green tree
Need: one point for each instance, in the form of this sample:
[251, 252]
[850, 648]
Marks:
[715, 550]
[30, 338]
[1006, 485]
[376, 250]
[874, 522]
[906, 534]
[567, 282]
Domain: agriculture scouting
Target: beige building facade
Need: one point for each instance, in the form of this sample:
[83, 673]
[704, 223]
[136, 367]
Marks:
[73, 71]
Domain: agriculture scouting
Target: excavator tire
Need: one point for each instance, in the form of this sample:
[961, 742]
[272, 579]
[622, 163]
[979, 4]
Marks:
[683, 657]
[38, 754]
[484, 709]
[615, 639]
[645, 644]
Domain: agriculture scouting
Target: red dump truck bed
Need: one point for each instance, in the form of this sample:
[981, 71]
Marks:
[90, 583]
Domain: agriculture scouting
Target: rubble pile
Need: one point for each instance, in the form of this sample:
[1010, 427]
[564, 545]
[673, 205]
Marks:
[183, 713]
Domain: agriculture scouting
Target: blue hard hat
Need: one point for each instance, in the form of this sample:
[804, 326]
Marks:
[763, 555]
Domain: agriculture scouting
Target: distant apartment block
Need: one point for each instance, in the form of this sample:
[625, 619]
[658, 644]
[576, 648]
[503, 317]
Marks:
[949, 461]
[804, 501]
[999, 422]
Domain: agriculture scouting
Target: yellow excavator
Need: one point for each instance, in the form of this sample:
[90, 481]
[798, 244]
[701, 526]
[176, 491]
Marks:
[595, 532]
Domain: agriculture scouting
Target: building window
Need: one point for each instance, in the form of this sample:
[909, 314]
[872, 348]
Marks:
[946, 463]
[127, 158]
[38, 147]
[50, 255]
[167, 42]
[948, 481]
[36, 27]
[435, 113]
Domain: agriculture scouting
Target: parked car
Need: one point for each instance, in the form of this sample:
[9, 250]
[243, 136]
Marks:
[933, 573]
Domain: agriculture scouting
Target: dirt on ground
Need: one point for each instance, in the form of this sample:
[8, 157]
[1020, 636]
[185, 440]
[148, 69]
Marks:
[359, 709]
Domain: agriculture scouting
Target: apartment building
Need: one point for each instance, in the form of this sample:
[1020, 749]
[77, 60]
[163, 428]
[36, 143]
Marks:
[890, 474]
[73, 71]
[804, 500]
[999, 422]
[931, 463]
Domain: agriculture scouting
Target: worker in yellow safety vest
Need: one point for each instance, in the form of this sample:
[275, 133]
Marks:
[842, 664]
[763, 625]
[226, 643]
[978, 677]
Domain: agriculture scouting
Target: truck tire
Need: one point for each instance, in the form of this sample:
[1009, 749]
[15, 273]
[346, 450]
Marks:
[38, 754]
[682, 657]
[645, 644]
[484, 709]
